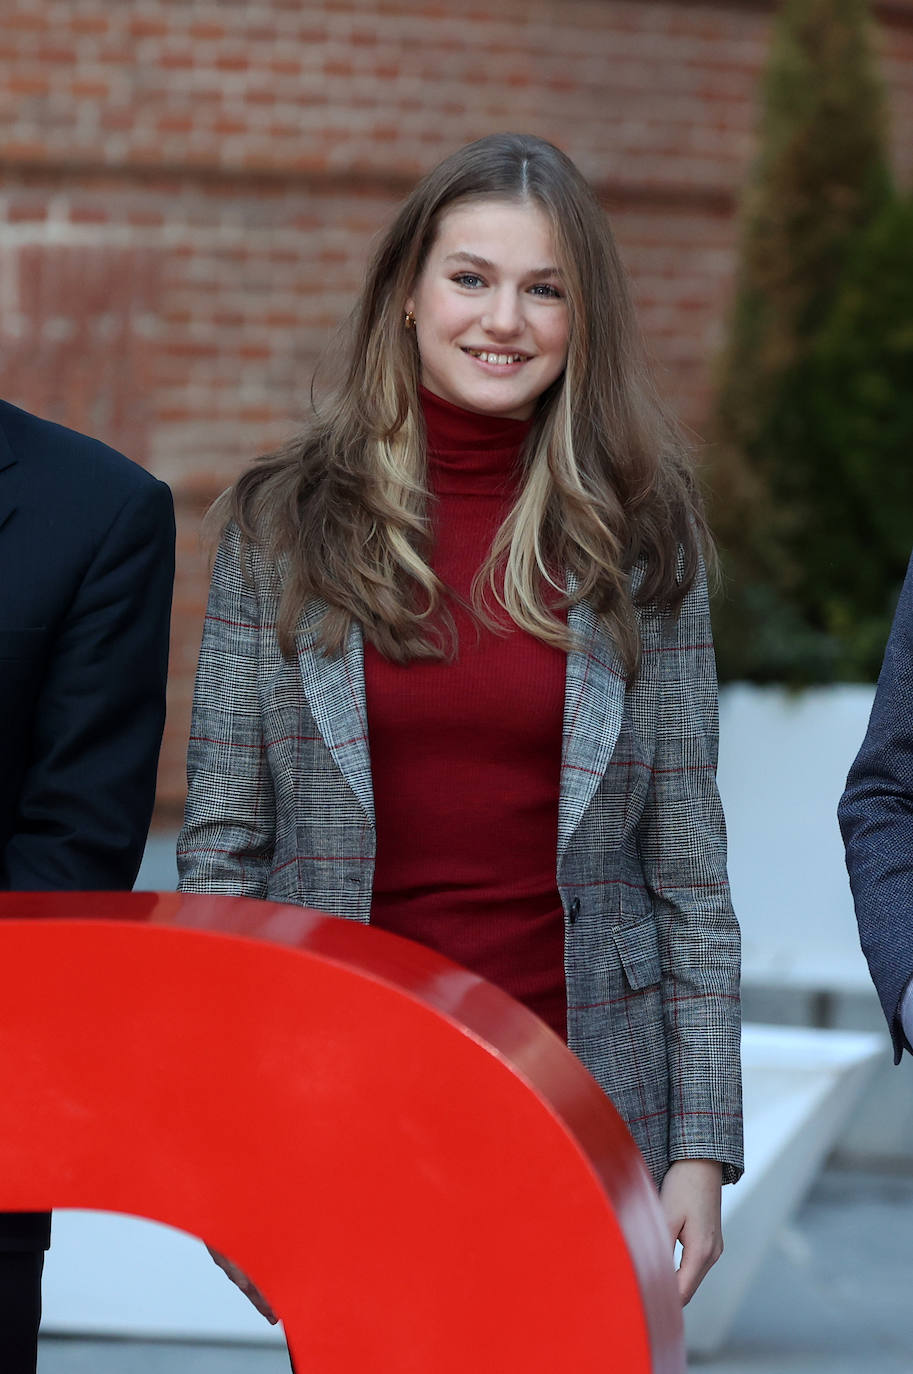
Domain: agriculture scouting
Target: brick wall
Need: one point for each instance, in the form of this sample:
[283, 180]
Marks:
[189, 190]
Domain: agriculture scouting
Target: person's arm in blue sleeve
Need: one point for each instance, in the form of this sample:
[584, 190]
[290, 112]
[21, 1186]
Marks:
[876, 820]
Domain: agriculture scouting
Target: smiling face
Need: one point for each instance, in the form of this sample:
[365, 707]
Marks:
[491, 317]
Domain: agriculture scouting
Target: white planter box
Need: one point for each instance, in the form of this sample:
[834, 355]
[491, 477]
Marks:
[784, 758]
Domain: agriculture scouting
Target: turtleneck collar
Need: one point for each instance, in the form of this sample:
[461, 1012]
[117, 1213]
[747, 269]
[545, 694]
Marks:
[470, 452]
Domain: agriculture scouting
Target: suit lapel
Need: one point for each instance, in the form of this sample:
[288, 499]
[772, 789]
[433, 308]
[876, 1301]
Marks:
[593, 707]
[335, 690]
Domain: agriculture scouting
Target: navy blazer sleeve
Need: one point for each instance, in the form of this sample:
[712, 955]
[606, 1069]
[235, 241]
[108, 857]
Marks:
[85, 799]
[876, 819]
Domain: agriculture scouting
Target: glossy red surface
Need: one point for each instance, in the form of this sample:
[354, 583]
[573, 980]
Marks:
[416, 1172]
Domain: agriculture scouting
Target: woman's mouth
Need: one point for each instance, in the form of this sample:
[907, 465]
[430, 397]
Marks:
[496, 359]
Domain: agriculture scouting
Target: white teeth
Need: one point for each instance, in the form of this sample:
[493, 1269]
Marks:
[500, 358]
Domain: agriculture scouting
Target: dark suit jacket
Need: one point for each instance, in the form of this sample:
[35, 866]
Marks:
[86, 572]
[876, 818]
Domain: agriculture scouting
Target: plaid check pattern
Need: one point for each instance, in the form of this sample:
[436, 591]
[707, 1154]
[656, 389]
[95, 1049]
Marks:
[280, 806]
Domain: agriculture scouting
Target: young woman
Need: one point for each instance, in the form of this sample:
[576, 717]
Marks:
[457, 676]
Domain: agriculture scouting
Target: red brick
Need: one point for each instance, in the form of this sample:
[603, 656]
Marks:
[26, 212]
[27, 85]
[190, 348]
[173, 414]
[261, 33]
[89, 90]
[88, 23]
[256, 415]
[114, 120]
[176, 59]
[57, 52]
[229, 126]
[115, 54]
[175, 124]
[143, 26]
[26, 21]
[147, 218]
[88, 214]
[25, 150]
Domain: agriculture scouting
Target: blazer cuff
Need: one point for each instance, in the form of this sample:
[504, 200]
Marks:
[905, 1015]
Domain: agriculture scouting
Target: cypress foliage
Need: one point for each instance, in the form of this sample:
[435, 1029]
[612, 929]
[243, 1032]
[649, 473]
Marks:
[820, 179]
[855, 402]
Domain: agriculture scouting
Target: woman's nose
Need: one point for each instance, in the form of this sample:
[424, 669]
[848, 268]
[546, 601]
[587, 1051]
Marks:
[504, 315]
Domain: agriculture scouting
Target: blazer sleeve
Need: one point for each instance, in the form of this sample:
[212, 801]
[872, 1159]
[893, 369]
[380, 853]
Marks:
[227, 842]
[876, 820]
[682, 841]
[86, 799]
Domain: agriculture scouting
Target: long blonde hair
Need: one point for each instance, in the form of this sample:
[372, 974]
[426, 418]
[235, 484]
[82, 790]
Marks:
[607, 481]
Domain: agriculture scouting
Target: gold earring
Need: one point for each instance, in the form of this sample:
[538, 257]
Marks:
[410, 320]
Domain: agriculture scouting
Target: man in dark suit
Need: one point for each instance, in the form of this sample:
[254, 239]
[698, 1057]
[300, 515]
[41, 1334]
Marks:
[876, 818]
[86, 575]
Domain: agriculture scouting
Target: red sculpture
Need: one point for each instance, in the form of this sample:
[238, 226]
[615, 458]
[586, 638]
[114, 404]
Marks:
[416, 1172]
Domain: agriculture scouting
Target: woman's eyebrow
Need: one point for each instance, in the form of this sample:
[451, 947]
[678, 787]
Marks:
[462, 256]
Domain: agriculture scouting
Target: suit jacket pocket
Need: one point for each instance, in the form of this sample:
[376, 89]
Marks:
[638, 950]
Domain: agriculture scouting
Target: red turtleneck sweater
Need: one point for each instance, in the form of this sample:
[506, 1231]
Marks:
[465, 755]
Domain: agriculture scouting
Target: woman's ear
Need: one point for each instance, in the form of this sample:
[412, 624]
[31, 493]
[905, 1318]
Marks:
[410, 306]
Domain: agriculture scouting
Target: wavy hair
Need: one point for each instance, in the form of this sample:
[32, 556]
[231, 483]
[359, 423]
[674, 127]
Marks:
[607, 482]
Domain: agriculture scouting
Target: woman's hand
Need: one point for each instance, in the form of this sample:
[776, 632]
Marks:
[240, 1279]
[691, 1194]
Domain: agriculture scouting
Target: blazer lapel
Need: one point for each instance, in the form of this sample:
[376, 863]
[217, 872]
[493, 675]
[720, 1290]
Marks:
[335, 690]
[593, 707]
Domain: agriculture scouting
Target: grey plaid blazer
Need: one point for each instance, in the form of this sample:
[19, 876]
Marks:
[281, 807]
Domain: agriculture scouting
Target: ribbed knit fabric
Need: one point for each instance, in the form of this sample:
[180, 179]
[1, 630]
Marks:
[466, 755]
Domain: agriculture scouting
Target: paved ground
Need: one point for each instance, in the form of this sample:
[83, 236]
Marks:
[834, 1297]
[61, 1356]
[836, 1294]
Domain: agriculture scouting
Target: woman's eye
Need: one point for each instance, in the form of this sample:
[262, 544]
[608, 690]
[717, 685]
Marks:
[468, 279]
[543, 288]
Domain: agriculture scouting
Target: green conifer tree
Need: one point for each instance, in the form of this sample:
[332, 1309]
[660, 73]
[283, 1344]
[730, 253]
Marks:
[853, 415]
[820, 178]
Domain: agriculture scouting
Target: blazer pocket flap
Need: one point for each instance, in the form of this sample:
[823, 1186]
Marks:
[638, 950]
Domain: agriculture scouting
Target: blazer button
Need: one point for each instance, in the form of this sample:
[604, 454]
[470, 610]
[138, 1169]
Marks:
[574, 910]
